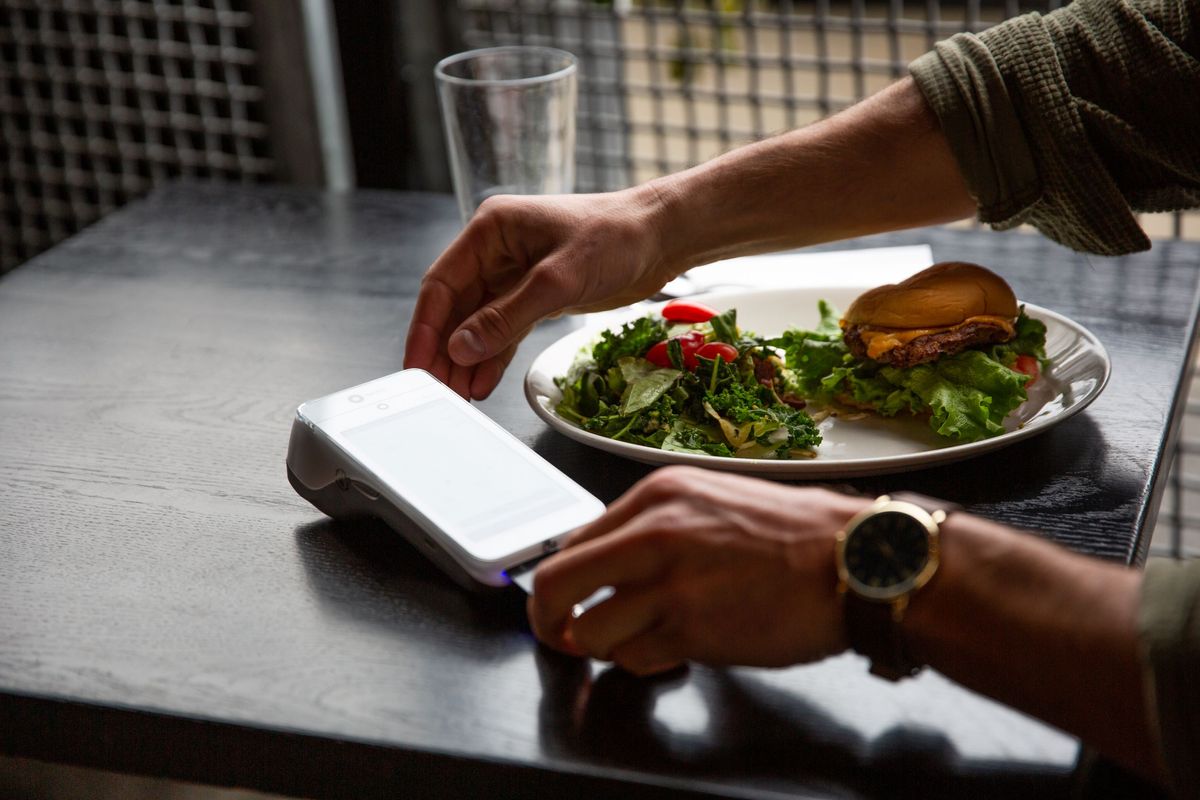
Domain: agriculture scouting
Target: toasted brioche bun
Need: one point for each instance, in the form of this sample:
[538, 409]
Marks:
[946, 294]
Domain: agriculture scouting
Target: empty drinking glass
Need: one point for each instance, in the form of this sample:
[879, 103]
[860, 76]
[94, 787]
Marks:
[509, 114]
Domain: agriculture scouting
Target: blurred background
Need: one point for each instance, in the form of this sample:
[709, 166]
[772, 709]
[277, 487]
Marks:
[101, 100]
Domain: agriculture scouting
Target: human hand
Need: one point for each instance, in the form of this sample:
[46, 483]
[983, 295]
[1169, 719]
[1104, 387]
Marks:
[709, 567]
[522, 259]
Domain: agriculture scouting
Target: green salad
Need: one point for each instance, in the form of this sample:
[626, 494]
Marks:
[694, 382]
[700, 387]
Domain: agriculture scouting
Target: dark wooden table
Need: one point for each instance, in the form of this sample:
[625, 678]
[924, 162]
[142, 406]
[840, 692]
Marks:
[169, 606]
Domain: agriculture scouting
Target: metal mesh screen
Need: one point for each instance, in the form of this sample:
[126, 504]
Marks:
[666, 84]
[101, 100]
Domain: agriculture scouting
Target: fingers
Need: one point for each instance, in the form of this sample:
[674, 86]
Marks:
[631, 630]
[659, 487]
[544, 290]
[471, 383]
[575, 574]
[487, 375]
[449, 284]
[648, 653]
[459, 380]
[631, 611]
[438, 310]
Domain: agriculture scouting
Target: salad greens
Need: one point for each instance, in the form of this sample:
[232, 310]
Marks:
[726, 405]
[709, 388]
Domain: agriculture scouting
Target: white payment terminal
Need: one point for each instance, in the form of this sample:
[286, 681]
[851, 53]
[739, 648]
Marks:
[465, 492]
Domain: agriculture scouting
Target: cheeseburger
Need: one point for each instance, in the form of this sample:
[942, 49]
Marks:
[950, 344]
[940, 311]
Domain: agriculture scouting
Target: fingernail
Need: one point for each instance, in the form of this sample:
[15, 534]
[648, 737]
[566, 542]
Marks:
[466, 346]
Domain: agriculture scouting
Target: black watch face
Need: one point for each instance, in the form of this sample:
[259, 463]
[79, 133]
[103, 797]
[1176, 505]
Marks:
[887, 550]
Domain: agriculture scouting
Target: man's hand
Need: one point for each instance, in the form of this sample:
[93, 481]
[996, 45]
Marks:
[881, 165]
[706, 566]
[522, 259]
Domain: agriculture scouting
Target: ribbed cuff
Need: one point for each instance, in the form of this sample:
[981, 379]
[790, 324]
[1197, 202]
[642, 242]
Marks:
[1007, 111]
[962, 83]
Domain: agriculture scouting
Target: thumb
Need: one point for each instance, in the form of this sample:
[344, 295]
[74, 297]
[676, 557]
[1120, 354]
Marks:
[503, 321]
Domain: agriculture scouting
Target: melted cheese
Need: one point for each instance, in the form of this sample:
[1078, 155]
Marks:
[880, 340]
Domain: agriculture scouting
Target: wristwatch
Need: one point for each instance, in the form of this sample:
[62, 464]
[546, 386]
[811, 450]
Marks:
[885, 554]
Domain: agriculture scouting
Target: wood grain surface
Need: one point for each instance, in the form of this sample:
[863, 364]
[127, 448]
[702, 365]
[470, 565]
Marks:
[169, 606]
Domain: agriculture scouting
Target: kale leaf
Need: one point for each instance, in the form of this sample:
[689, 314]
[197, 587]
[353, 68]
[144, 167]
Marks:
[633, 339]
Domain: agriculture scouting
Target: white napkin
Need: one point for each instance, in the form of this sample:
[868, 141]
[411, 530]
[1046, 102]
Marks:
[837, 268]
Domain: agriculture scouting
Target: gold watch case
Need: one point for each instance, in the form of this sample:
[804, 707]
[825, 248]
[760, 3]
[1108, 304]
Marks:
[896, 594]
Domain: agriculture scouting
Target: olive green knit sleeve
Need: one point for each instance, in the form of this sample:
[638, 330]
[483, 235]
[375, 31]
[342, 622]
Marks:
[1169, 620]
[1074, 120]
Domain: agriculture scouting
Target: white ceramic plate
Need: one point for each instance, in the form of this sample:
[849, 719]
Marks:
[1078, 371]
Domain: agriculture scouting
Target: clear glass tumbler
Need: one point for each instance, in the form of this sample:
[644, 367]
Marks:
[509, 114]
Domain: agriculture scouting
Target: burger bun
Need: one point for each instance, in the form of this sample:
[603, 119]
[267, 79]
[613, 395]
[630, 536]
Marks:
[945, 294]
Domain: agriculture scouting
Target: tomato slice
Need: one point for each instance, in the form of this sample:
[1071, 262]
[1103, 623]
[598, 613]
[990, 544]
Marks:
[727, 352]
[1028, 365]
[687, 311]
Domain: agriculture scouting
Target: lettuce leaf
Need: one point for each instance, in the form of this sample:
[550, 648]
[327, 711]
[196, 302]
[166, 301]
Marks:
[814, 355]
[1030, 340]
[968, 394]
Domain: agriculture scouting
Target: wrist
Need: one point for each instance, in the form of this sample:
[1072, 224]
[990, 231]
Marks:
[974, 553]
[664, 211]
[711, 212]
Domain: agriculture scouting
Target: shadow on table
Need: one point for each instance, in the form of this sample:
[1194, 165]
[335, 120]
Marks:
[363, 571]
[757, 736]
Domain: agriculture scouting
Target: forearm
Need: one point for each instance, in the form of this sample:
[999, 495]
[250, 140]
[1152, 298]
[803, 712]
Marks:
[1049, 632]
[881, 165]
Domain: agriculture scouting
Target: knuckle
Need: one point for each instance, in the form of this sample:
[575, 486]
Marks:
[658, 533]
[669, 482]
[492, 207]
[491, 218]
[494, 323]
[551, 282]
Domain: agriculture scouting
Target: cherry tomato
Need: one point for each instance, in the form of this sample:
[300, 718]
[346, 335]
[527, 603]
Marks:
[727, 352]
[687, 311]
[1028, 365]
[689, 343]
[657, 355]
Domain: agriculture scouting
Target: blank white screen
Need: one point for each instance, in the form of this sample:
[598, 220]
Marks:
[455, 471]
